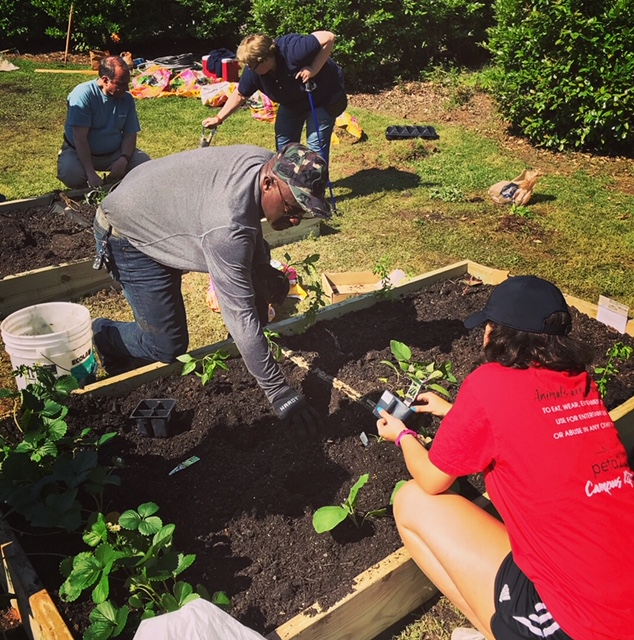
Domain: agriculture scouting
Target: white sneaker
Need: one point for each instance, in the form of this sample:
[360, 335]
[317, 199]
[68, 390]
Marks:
[463, 633]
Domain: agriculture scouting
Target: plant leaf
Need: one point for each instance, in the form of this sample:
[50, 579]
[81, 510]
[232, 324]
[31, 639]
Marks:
[400, 350]
[352, 496]
[327, 518]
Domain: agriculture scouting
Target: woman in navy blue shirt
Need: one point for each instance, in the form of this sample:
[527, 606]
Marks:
[281, 69]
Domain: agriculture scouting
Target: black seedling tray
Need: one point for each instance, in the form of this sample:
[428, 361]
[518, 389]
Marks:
[153, 415]
[404, 132]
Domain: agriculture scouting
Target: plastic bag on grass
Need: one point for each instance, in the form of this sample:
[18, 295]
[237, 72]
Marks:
[262, 107]
[151, 82]
[216, 94]
[517, 191]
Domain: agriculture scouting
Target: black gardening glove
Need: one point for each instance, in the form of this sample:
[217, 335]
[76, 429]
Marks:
[297, 415]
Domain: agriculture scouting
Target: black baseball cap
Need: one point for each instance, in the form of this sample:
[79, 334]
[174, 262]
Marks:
[523, 303]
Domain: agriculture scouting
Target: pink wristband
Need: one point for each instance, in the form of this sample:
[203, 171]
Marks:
[405, 432]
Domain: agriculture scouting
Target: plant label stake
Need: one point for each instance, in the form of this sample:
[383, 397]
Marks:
[412, 392]
[183, 465]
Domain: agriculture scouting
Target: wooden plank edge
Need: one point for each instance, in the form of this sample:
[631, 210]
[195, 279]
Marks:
[63, 282]
[90, 71]
[40, 618]
[305, 229]
[591, 309]
[381, 596]
[39, 201]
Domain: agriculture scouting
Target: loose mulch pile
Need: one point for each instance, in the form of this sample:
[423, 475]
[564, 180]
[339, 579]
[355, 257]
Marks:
[246, 508]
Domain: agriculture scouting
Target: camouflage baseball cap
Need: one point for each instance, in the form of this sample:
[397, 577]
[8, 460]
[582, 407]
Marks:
[306, 173]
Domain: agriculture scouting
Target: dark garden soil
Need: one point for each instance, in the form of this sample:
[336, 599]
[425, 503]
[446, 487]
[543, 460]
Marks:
[41, 237]
[246, 507]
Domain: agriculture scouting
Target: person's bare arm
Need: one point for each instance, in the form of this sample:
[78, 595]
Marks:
[327, 41]
[234, 102]
[426, 474]
[80, 137]
[119, 166]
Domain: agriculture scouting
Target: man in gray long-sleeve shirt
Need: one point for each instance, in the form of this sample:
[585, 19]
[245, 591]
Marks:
[200, 211]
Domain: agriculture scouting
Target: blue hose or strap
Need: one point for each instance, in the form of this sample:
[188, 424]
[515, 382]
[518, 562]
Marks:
[309, 86]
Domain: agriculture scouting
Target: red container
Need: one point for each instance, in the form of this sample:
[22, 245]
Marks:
[230, 69]
[206, 70]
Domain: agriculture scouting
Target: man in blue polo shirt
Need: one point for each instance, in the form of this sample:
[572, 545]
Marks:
[101, 129]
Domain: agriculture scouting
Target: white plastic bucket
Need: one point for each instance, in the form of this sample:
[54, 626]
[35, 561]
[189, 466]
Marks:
[55, 335]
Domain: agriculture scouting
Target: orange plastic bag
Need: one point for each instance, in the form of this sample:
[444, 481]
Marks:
[517, 191]
[151, 82]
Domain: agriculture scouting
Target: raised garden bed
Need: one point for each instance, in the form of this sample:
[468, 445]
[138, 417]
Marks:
[47, 250]
[253, 487]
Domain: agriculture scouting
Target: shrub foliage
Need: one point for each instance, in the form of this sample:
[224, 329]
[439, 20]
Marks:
[565, 71]
[382, 40]
[378, 40]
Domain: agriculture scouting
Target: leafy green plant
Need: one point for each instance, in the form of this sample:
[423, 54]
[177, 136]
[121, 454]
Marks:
[382, 269]
[209, 365]
[565, 72]
[272, 340]
[521, 211]
[94, 197]
[382, 512]
[618, 351]
[382, 38]
[328, 517]
[43, 467]
[425, 374]
[447, 193]
[135, 547]
[308, 278]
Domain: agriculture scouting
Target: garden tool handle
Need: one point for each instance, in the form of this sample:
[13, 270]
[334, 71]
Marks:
[310, 86]
[207, 136]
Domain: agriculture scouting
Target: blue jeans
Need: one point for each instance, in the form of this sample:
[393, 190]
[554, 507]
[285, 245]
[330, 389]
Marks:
[289, 125]
[153, 290]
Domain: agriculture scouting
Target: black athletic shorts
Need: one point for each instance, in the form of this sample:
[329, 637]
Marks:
[519, 611]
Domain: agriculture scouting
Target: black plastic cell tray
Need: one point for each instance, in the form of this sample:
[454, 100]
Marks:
[404, 132]
[153, 415]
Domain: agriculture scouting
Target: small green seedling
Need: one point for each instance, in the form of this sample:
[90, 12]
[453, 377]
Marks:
[521, 211]
[209, 365]
[618, 351]
[447, 193]
[381, 513]
[316, 294]
[94, 197]
[382, 269]
[426, 374]
[272, 340]
[327, 518]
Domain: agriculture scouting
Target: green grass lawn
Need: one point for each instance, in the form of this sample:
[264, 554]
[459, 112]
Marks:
[418, 205]
[414, 205]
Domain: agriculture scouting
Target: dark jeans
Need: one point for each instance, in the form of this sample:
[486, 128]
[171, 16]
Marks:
[289, 125]
[153, 290]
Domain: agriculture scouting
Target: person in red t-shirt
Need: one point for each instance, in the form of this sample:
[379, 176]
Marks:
[560, 564]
